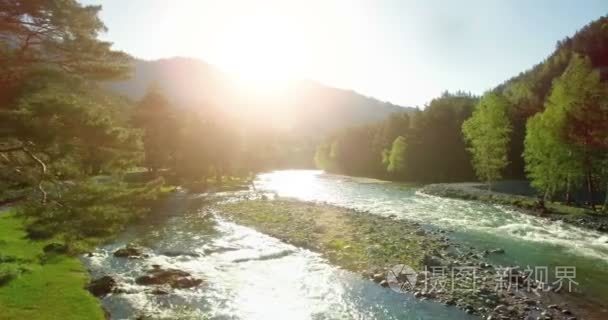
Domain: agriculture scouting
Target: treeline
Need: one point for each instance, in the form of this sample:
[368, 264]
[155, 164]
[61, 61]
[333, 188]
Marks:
[422, 145]
[193, 145]
[548, 124]
[74, 151]
[69, 148]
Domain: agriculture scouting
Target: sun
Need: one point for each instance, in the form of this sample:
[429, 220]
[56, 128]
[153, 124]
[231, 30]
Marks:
[263, 51]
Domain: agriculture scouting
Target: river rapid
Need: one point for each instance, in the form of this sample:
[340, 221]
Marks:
[249, 275]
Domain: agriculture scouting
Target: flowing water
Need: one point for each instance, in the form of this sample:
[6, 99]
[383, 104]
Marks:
[249, 275]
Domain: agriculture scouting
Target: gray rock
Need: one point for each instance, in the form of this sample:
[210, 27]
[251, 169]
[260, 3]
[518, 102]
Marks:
[378, 277]
[128, 252]
[172, 277]
[102, 286]
[161, 290]
[500, 308]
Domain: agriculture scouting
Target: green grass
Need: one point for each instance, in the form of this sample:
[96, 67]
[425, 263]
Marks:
[54, 290]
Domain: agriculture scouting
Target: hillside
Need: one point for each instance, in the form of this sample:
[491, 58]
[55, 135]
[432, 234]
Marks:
[527, 92]
[303, 106]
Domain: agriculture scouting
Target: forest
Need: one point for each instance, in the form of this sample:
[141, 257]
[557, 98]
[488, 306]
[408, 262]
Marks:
[77, 152]
[548, 125]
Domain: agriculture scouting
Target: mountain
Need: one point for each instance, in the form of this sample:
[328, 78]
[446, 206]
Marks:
[303, 106]
[528, 91]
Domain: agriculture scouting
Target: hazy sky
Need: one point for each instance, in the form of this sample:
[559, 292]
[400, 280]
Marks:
[405, 52]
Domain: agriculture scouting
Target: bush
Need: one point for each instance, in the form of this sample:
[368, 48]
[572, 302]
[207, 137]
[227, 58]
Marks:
[8, 272]
[90, 209]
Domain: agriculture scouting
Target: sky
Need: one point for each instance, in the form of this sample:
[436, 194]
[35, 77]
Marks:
[402, 51]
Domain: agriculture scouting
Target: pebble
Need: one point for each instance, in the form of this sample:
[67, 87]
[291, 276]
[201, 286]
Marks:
[499, 308]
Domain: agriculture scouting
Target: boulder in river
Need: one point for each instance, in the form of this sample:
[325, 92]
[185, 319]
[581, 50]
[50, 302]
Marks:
[128, 252]
[497, 251]
[102, 286]
[175, 278]
[161, 290]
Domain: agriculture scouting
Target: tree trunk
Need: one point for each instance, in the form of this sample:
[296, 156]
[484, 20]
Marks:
[568, 196]
[605, 208]
[590, 191]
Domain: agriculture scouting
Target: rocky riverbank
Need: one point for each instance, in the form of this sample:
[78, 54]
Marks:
[577, 216]
[378, 247]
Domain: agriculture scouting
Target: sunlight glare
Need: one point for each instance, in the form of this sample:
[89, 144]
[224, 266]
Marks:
[262, 50]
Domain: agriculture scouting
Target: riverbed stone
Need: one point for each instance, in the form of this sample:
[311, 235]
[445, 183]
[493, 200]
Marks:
[128, 252]
[175, 278]
[102, 286]
[378, 277]
[161, 290]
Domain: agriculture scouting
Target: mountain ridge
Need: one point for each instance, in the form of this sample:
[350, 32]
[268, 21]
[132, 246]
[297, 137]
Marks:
[301, 104]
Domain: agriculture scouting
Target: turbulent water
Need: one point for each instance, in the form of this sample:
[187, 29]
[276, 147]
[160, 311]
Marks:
[249, 275]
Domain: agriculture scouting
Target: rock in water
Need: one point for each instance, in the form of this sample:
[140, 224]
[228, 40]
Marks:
[172, 277]
[128, 252]
[102, 286]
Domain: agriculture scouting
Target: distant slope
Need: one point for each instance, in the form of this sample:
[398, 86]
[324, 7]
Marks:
[305, 106]
[528, 91]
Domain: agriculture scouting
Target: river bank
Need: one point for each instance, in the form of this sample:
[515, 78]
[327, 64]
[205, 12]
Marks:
[553, 211]
[377, 247]
[38, 283]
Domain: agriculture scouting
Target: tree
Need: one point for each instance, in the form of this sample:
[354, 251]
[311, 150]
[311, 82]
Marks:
[566, 143]
[584, 98]
[551, 165]
[193, 155]
[322, 158]
[154, 115]
[58, 34]
[430, 134]
[397, 157]
[487, 132]
[60, 128]
[49, 107]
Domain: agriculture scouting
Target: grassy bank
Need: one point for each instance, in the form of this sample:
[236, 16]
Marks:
[352, 240]
[44, 286]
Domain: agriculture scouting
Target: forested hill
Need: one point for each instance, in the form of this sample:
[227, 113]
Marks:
[527, 92]
[548, 124]
[305, 106]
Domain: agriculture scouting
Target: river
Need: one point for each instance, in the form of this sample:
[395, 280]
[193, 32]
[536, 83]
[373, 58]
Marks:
[249, 275]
